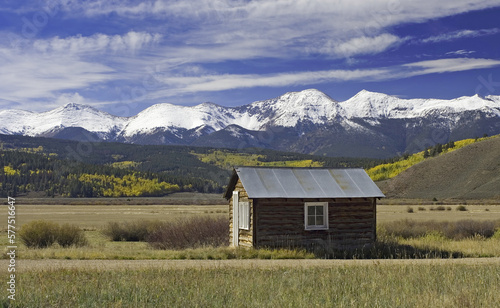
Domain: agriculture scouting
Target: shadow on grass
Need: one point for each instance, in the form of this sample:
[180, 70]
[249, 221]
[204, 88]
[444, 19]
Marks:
[384, 250]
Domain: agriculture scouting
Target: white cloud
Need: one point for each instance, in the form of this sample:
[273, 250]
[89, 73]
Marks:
[69, 98]
[200, 32]
[31, 75]
[448, 65]
[207, 83]
[97, 43]
[451, 36]
[366, 45]
[345, 27]
[461, 52]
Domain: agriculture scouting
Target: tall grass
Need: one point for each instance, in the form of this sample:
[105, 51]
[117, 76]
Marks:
[403, 285]
[456, 230]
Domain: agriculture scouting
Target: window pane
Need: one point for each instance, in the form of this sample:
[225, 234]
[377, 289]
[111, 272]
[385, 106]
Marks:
[319, 210]
[311, 221]
[319, 220]
[311, 211]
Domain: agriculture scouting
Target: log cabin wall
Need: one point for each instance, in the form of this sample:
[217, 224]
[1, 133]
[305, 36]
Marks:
[280, 223]
[245, 236]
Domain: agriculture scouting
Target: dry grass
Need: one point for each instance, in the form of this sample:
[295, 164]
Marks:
[388, 213]
[377, 285]
[456, 230]
[92, 217]
[135, 275]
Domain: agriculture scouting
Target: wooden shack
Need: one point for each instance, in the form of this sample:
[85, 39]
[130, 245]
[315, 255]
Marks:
[291, 207]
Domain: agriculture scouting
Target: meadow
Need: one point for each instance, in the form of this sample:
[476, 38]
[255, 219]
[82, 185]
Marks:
[135, 275]
[377, 285]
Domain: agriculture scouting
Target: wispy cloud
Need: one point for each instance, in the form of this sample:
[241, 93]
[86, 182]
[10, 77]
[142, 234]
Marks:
[175, 85]
[97, 43]
[30, 75]
[366, 45]
[455, 35]
[461, 52]
[190, 84]
[448, 65]
[347, 28]
[190, 46]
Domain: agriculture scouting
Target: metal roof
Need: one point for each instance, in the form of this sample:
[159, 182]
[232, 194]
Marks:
[306, 183]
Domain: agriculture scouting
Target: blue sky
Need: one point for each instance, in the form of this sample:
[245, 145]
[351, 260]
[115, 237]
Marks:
[123, 56]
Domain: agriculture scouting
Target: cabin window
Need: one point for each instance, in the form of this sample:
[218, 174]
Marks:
[316, 215]
[244, 215]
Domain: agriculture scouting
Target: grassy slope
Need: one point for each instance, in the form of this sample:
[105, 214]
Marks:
[390, 170]
[471, 172]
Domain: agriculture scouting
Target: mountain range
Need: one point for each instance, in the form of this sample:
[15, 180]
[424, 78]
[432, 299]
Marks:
[367, 125]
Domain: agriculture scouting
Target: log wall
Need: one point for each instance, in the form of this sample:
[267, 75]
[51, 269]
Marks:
[280, 223]
[245, 236]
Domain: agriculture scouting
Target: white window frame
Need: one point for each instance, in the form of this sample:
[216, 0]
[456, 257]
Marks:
[244, 215]
[325, 216]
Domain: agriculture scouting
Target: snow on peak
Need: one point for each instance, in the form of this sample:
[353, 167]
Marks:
[366, 104]
[289, 110]
[168, 115]
[69, 115]
[293, 107]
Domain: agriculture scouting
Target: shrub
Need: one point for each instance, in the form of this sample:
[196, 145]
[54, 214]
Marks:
[131, 231]
[421, 208]
[39, 234]
[69, 235]
[409, 210]
[43, 234]
[405, 228]
[191, 233]
[440, 208]
[461, 208]
[470, 228]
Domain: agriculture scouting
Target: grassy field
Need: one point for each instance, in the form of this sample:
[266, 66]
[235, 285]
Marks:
[131, 274]
[93, 217]
[378, 285]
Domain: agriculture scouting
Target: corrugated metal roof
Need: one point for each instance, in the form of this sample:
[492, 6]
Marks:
[307, 183]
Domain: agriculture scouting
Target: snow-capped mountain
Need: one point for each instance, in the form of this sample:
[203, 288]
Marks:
[368, 124]
[18, 122]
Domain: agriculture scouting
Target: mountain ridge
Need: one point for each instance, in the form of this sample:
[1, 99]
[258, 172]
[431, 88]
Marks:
[287, 122]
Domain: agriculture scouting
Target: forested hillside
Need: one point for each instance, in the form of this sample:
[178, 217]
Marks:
[94, 169]
[24, 172]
